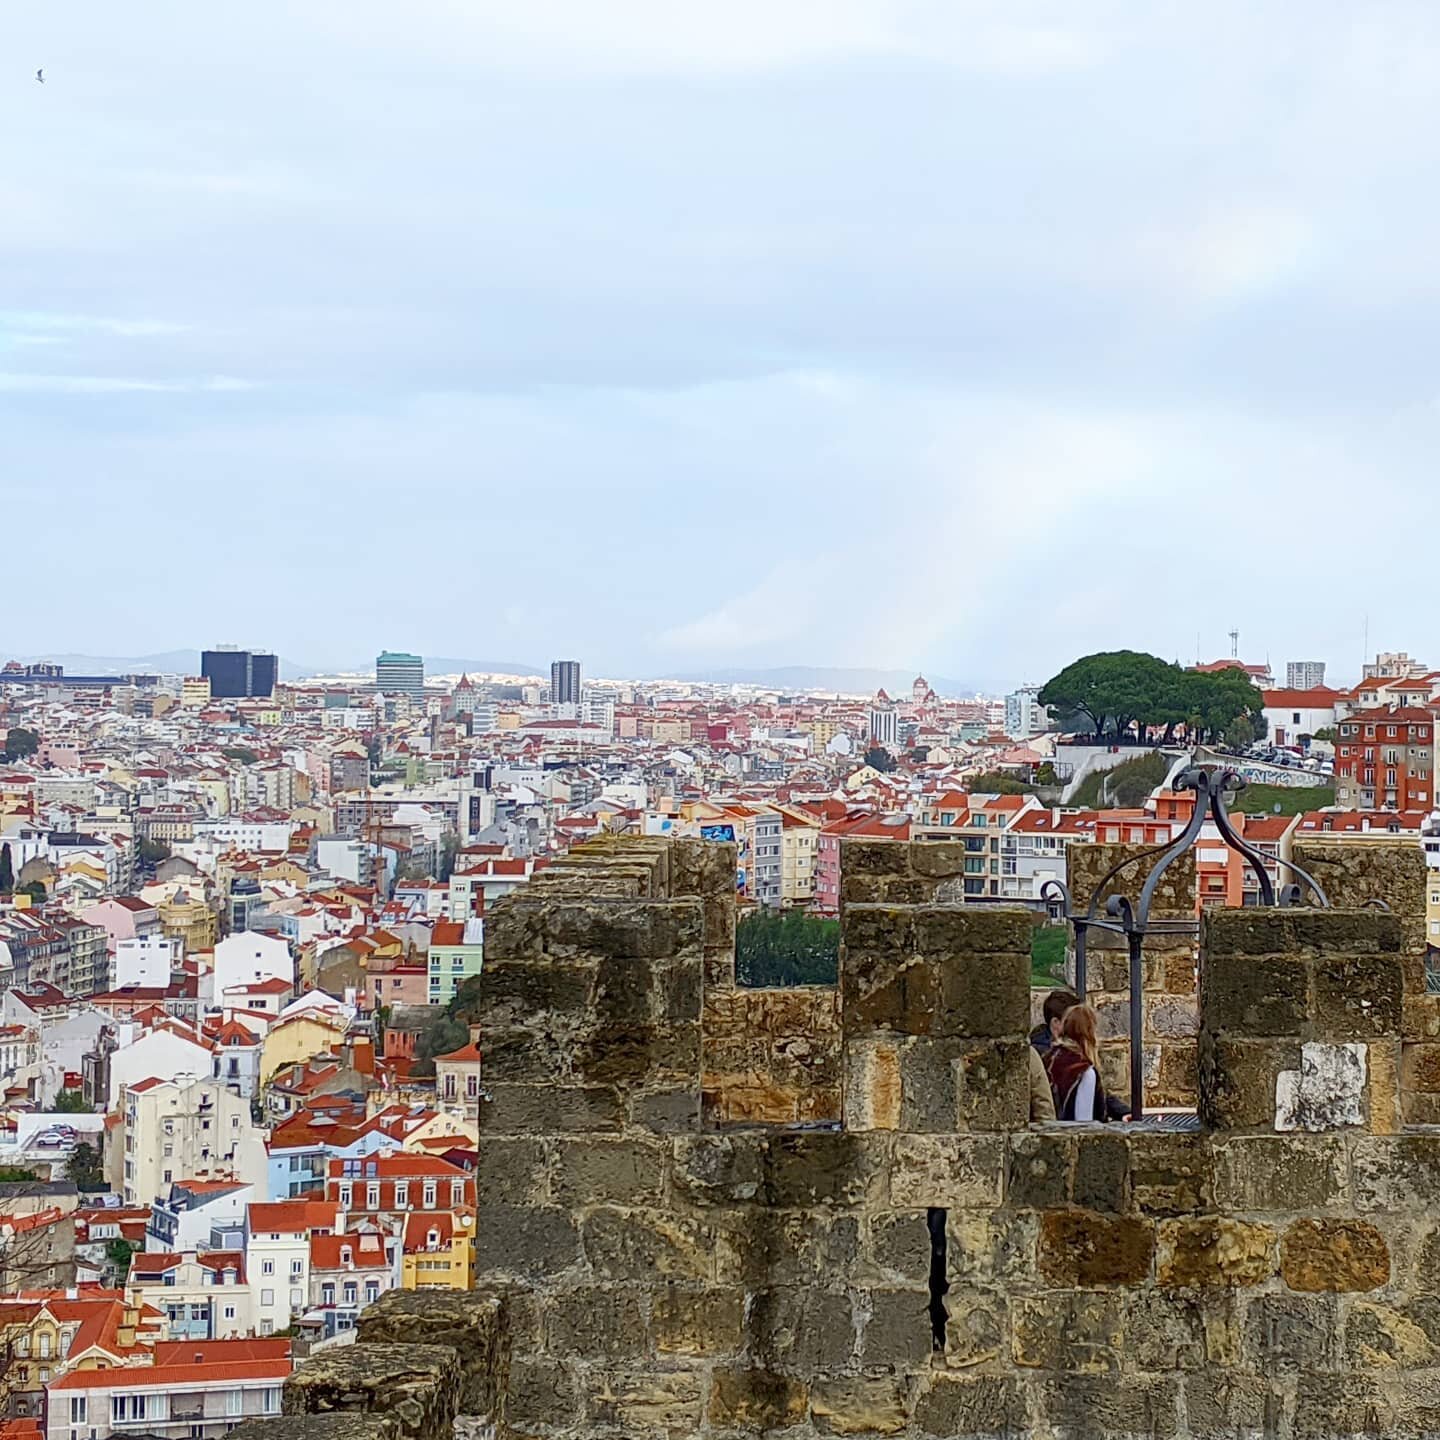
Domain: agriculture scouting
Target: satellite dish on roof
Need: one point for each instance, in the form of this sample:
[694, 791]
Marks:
[1277, 807]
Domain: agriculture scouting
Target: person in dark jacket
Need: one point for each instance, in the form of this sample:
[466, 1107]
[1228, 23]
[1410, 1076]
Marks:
[1073, 1066]
[1044, 1036]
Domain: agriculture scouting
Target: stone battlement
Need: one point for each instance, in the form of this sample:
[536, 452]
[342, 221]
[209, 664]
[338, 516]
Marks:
[681, 1235]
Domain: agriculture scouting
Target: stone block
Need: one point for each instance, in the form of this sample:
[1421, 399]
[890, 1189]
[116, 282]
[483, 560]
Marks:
[976, 1329]
[1358, 997]
[511, 1172]
[645, 1245]
[930, 1085]
[691, 1322]
[800, 1330]
[890, 991]
[1214, 1250]
[897, 1330]
[820, 1168]
[1079, 1331]
[474, 1324]
[955, 930]
[899, 1244]
[1128, 1405]
[417, 1386]
[674, 1110]
[1332, 1254]
[1383, 1337]
[1221, 1405]
[790, 1247]
[1172, 1017]
[1288, 1333]
[550, 1109]
[643, 1403]
[989, 1405]
[873, 1089]
[338, 1425]
[876, 930]
[525, 995]
[984, 995]
[544, 1395]
[1165, 1330]
[595, 1323]
[1238, 1079]
[1351, 1405]
[862, 1404]
[949, 1171]
[1102, 1172]
[603, 1171]
[888, 859]
[525, 1240]
[1040, 1169]
[1280, 1172]
[1169, 1174]
[1079, 1248]
[1400, 1172]
[994, 1084]
[715, 1170]
[992, 1249]
[1255, 995]
[754, 1400]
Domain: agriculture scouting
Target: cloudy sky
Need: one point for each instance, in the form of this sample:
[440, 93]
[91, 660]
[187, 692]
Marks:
[955, 335]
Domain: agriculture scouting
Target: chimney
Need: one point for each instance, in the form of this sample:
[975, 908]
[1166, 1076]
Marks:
[475, 1034]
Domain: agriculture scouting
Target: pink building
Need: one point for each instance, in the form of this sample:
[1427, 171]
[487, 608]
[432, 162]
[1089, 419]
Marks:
[859, 823]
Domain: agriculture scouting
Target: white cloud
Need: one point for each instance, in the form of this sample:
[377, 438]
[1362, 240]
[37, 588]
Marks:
[39, 320]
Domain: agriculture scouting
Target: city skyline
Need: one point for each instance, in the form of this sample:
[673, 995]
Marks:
[866, 332]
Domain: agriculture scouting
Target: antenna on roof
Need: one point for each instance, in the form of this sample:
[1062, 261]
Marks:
[1235, 644]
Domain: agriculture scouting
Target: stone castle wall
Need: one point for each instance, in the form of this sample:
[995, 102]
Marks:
[933, 1265]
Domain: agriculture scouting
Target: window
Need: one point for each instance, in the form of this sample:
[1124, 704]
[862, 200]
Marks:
[267, 1267]
[345, 1197]
[402, 1194]
[351, 1292]
[77, 1410]
[234, 1402]
[457, 1193]
[327, 1294]
[372, 1291]
[267, 1297]
[372, 1196]
[270, 1400]
[429, 1194]
[229, 1312]
[44, 1348]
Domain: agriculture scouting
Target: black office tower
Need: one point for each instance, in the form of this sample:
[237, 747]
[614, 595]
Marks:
[238, 674]
[564, 682]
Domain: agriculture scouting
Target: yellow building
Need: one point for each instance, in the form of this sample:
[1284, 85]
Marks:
[799, 846]
[194, 692]
[439, 1246]
[302, 1037]
[191, 919]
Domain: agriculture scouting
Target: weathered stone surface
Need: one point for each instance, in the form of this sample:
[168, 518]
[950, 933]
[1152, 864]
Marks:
[1165, 1330]
[646, 1402]
[550, 1109]
[1238, 1079]
[1221, 1405]
[900, 1244]
[1169, 1174]
[512, 1172]
[688, 1321]
[338, 1425]
[596, 1322]
[627, 1172]
[897, 1330]
[798, 1329]
[972, 1405]
[1102, 1172]
[1381, 1337]
[1357, 997]
[637, 1245]
[1280, 1172]
[475, 1325]
[1255, 996]
[1331, 1405]
[861, 1405]
[1079, 1248]
[950, 1171]
[1040, 1167]
[994, 1085]
[1396, 1173]
[824, 1169]
[712, 1170]
[1290, 1332]
[1334, 1255]
[754, 1400]
[873, 1087]
[417, 1386]
[526, 1240]
[1071, 1330]
[976, 1330]
[965, 930]
[1214, 1250]
[984, 996]
[1115, 1405]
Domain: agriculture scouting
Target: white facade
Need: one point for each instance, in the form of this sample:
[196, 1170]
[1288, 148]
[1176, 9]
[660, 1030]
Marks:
[147, 960]
[162, 1053]
[1286, 723]
[233, 832]
[248, 957]
[344, 858]
[195, 1131]
[1024, 714]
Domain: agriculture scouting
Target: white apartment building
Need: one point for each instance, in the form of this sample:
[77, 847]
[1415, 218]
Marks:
[1024, 714]
[277, 1257]
[250, 957]
[169, 1131]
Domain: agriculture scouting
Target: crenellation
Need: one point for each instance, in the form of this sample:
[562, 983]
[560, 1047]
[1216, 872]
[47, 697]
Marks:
[922, 1261]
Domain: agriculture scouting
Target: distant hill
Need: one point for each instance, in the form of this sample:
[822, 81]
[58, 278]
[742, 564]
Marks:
[166, 662]
[447, 665]
[818, 677]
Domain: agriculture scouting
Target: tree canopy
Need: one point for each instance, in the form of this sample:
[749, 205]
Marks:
[1116, 689]
[789, 947]
[20, 743]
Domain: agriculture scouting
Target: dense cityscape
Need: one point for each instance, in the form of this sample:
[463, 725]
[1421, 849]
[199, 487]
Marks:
[242, 932]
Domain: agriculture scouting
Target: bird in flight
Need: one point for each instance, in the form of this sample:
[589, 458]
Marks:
[40, 75]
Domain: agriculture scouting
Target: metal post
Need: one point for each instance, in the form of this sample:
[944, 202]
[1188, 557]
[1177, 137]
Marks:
[1081, 933]
[1137, 1025]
